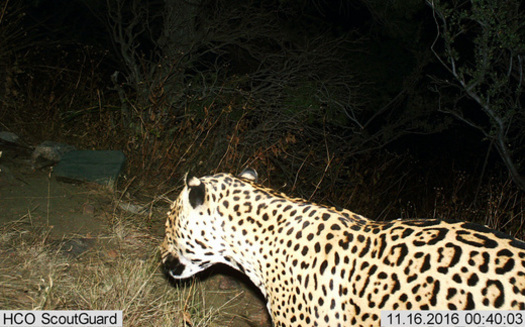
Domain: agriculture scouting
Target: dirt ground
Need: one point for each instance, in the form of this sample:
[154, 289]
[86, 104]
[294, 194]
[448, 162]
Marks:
[79, 219]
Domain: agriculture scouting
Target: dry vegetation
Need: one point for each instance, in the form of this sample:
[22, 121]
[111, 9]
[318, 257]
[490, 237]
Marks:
[120, 273]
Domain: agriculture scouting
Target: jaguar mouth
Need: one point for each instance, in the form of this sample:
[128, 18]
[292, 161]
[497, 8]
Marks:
[173, 266]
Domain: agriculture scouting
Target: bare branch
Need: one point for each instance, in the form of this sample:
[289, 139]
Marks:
[490, 83]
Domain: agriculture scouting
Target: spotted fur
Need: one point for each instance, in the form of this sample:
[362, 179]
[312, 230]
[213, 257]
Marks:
[324, 266]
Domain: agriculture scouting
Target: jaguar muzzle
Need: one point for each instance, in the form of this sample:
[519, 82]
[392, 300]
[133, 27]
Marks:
[173, 266]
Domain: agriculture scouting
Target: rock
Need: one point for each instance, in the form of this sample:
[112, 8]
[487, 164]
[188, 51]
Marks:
[88, 209]
[75, 247]
[102, 167]
[49, 153]
[228, 283]
[112, 254]
[9, 137]
[135, 209]
[262, 318]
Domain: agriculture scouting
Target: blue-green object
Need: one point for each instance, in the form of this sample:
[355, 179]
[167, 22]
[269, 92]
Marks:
[102, 167]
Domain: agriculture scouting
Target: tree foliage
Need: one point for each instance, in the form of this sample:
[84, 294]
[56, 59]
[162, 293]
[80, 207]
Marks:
[480, 43]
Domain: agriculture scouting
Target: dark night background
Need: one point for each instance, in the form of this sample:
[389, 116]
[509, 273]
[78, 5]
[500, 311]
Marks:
[377, 106]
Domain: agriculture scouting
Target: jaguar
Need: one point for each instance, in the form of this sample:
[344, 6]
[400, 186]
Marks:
[326, 266]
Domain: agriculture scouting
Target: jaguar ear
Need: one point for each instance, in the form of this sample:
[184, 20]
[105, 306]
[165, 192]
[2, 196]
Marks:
[249, 174]
[196, 191]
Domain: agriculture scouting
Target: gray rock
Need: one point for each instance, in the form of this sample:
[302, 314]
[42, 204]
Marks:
[135, 209]
[102, 167]
[75, 247]
[49, 153]
[9, 137]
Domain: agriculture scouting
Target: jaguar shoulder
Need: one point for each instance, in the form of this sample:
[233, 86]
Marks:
[322, 266]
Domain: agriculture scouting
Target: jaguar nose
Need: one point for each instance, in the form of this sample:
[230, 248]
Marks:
[173, 266]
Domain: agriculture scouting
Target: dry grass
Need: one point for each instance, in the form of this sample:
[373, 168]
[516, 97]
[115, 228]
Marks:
[120, 272]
